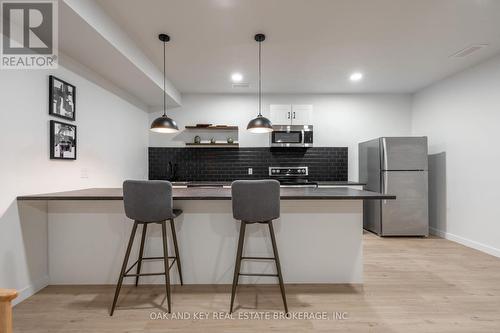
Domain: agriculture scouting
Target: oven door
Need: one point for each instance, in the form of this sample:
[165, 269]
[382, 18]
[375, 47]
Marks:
[281, 138]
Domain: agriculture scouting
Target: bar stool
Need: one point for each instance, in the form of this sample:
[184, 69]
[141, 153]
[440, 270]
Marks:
[256, 201]
[149, 202]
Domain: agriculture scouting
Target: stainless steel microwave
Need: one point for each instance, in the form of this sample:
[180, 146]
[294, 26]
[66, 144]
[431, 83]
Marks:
[291, 136]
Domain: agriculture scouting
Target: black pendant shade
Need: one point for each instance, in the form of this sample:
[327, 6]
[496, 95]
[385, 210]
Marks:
[260, 124]
[164, 124]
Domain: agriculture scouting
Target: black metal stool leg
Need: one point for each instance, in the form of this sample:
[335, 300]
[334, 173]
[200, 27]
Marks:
[176, 248]
[238, 263]
[141, 252]
[278, 265]
[165, 261]
[124, 267]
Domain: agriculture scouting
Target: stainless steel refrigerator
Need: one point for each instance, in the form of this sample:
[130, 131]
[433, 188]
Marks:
[396, 165]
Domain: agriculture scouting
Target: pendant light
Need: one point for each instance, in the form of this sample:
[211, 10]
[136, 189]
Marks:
[260, 124]
[164, 124]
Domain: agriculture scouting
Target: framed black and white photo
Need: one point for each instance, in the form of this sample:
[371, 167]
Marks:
[62, 98]
[62, 141]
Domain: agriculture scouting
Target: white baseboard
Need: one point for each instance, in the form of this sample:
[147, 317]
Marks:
[31, 290]
[466, 242]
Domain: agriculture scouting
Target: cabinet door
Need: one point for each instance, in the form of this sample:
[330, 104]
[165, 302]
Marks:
[302, 114]
[281, 114]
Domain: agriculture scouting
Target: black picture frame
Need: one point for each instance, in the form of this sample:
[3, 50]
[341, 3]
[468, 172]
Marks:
[62, 99]
[62, 140]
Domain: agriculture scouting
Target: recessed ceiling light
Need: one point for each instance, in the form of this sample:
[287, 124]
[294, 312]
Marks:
[236, 77]
[357, 76]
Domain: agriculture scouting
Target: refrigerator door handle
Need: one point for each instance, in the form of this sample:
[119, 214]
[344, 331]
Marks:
[384, 153]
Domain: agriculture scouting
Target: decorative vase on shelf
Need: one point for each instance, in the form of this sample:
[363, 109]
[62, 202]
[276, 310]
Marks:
[230, 140]
[197, 139]
[212, 140]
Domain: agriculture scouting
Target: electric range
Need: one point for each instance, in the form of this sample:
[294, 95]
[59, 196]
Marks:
[292, 176]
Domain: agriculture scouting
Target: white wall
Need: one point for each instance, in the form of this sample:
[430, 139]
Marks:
[461, 117]
[339, 120]
[112, 145]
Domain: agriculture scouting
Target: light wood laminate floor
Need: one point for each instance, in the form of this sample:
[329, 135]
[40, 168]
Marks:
[411, 285]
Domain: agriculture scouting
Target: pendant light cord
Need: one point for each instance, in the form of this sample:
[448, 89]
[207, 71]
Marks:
[164, 93]
[260, 81]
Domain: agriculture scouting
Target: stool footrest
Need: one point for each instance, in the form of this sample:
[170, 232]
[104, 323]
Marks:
[149, 258]
[157, 258]
[144, 274]
[256, 274]
[258, 258]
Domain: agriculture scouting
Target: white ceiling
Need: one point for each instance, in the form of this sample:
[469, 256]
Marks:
[312, 45]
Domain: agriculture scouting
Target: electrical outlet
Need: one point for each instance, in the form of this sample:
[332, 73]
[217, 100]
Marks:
[250, 171]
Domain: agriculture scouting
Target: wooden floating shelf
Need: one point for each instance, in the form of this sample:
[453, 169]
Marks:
[213, 128]
[214, 145]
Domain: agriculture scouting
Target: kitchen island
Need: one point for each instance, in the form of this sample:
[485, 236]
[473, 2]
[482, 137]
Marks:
[319, 236]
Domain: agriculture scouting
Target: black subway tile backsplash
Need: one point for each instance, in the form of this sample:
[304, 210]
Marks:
[228, 164]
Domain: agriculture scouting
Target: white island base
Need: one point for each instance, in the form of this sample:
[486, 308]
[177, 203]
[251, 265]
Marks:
[319, 241]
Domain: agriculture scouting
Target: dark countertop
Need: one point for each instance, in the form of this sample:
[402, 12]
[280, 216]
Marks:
[217, 183]
[339, 183]
[216, 193]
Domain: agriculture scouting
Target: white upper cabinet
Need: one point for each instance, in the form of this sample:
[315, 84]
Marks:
[302, 114]
[286, 114]
[281, 114]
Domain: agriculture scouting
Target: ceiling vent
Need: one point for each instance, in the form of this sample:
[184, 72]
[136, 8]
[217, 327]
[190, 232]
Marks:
[241, 85]
[468, 50]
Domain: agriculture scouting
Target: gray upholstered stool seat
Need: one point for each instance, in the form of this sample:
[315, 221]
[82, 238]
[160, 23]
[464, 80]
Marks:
[149, 202]
[256, 201]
